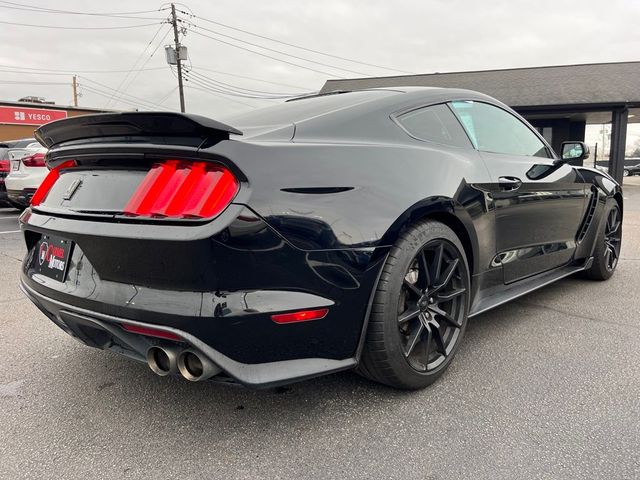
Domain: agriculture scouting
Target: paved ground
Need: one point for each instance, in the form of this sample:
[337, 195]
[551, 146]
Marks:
[546, 387]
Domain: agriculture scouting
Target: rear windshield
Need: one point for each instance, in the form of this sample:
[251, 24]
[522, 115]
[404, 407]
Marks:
[298, 110]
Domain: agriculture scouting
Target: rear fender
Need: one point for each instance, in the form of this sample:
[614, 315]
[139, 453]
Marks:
[447, 211]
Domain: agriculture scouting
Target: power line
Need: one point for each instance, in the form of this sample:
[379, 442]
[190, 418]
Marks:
[297, 46]
[268, 56]
[191, 76]
[279, 51]
[75, 13]
[22, 82]
[191, 87]
[206, 89]
[106, 95]
[242, 89]
[142, 69]
[34, 8]
[132, 97]
[206, 69]
[139, 57]
[78, 28]
[222, 89]
[39, 71]
[46, 71]
[165, 97]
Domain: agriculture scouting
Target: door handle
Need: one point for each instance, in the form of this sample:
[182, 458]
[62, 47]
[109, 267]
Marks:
[509, 183]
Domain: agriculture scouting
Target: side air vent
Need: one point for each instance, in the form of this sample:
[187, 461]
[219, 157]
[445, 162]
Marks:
[591, 208]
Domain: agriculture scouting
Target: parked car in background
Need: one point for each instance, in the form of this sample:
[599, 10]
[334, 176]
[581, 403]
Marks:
[22, 143]
[4, 171]
[5, 162]
[28, 170]
[631, 171]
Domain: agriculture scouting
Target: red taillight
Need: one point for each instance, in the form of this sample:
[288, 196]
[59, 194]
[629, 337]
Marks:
[47, 183]
[301, 316]
[4, 165]
[177, 189]
[35, 160]
[150, 332]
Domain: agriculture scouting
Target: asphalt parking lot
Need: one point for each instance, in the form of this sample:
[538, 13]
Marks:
[545, 387]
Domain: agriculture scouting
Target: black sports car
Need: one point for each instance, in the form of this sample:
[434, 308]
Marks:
[349, 230]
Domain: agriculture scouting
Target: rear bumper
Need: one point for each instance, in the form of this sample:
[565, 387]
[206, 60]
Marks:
[21, 197]
[106, 332]
[217, 292]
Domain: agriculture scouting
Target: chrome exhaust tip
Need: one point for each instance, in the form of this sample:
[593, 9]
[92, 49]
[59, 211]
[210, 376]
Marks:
[163, 360]
[195, 367]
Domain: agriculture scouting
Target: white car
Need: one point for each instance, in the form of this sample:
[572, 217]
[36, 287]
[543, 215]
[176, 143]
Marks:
[28, 170]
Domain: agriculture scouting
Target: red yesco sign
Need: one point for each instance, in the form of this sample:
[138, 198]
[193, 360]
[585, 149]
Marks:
[30, 116]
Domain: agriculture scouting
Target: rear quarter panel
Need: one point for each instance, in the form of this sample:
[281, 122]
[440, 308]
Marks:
[376, 187]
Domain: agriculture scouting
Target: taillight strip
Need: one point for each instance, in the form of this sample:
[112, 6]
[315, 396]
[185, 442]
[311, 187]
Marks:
[181, 189]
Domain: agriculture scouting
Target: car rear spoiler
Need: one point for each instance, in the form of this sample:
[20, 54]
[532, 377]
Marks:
[133, 124]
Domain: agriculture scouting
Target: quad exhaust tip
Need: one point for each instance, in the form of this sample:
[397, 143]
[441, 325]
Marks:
[195, 367]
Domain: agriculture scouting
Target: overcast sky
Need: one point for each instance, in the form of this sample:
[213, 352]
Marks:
[421, 36]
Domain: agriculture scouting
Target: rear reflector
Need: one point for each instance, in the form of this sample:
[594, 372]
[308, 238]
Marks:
[301, 316]
[47, 183]
[176, 189]
[150, 332]
[35, 160]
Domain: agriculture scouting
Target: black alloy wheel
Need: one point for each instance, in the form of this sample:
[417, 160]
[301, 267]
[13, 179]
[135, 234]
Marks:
[612, 238]
[606, 252]
[420, 307]
[431, 307]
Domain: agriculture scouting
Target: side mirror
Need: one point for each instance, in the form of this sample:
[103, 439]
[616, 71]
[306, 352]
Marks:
[573, 151]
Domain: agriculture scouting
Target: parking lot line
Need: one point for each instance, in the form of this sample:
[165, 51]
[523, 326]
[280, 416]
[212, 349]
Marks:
[10, 231]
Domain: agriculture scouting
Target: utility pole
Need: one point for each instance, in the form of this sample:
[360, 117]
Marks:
[174, 22]
[75, 91]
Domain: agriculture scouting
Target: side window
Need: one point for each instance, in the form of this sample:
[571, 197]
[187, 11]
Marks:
[436, 124]
[492, 129]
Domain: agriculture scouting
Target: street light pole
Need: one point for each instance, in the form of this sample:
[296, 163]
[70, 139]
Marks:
[174, 22]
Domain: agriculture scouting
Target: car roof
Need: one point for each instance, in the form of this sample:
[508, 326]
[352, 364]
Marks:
[361, 102]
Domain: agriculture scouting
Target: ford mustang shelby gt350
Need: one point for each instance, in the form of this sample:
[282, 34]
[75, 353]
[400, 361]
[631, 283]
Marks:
[346, 230]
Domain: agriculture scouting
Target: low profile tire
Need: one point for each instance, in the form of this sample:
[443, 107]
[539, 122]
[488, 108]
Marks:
[625, 173]
[420, 307]
[607, 249]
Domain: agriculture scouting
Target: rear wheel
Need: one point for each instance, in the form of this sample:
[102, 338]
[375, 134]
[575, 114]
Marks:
[625, 173]
[420, 308]
[607, 248]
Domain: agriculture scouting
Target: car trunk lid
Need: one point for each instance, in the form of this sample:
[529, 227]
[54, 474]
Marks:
[141, 166]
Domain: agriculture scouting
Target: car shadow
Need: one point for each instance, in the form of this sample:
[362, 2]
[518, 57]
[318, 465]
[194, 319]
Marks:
[112, 384]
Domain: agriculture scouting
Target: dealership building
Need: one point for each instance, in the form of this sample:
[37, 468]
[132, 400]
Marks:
[20, 119]
[559, 101]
